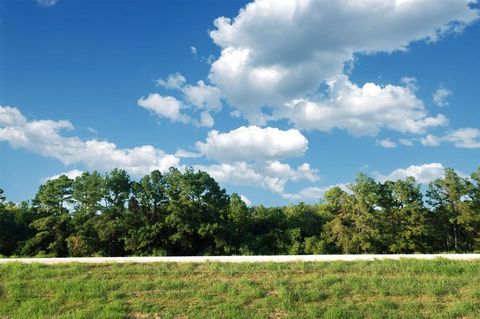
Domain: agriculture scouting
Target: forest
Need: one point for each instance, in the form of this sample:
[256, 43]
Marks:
[187, 213]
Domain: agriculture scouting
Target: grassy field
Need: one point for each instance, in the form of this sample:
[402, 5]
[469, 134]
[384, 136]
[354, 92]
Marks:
[378, 289]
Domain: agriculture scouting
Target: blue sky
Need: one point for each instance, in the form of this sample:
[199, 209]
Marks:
[277, 102]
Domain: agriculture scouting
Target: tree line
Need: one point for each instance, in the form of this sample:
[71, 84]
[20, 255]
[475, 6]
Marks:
[188, 213]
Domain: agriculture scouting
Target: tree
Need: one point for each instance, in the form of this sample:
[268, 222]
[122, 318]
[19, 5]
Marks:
[472, 220]
[148, 209]
[197, 209]
[8, 227]
[360, 218]
[340, 230]
[2, 199]
[188, 213]
[450, 199]
[88, 193]
[305, 225]
[269, 231]
[53, 225]
[411, 219]
[239, 221]
[111, 225]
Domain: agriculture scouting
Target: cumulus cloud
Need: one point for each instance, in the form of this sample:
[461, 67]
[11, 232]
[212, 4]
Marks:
[273, 53]
[11, 116]
[430, 140]
[45, 137]
[464, 137]
[312, 193]
[251, 156]
[467, 137]
[253, 143]
[247, 156]
[173, 81]
[362, 110]
[186, 154]
[405, 141]
[440, 97]
[387, 143]
[271, 175]
[72, 174]
[164, 106]
[423, 174]
[202, 98]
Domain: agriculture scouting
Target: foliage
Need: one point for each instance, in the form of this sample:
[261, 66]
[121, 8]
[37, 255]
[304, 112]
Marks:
[188, 213]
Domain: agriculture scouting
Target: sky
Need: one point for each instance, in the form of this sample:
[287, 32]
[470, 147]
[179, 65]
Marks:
[277, 100]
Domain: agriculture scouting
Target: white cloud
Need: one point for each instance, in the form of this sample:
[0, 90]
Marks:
[206, 119]
[251, 156]
[164, 106]
[258, 166]
[44, 137]
[47, 3]
[72, 174]
[464, 138]
[186, 154]
[312, 193]
[410, 83]
[201, 98]
[276, 52]
[253, 144]
[270, 175]
[405, 141]
[430, 140]
[246, 200]
[440, 96]
[193, 50]
[173, 81]
[282, 170]
[208, 60]
[308, 193]
[362, 110]
[11, 116]
[387, 143]
[423, 174]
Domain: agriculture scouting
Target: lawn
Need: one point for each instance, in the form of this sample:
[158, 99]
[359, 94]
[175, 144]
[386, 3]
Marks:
[376, 289]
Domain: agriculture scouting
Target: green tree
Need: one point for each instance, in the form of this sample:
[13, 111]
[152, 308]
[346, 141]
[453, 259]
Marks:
[8, 227]
[111, 225]
[147, 233]
[450, 198]
[410, 218]
[88, 193]
[239, 225]
[197, 209]
[269, 231]
[472, 220]
[54, 223]
[340, 230]
[305, 224]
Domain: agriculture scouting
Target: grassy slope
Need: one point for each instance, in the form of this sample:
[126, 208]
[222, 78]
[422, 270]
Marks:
[380, 289]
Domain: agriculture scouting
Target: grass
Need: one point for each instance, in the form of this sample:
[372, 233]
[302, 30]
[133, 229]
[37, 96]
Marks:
[376, 289]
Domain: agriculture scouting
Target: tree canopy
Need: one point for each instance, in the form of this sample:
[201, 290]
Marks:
[188, 213]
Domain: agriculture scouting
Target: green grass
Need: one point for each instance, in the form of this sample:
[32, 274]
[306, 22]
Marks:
[379, 289]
